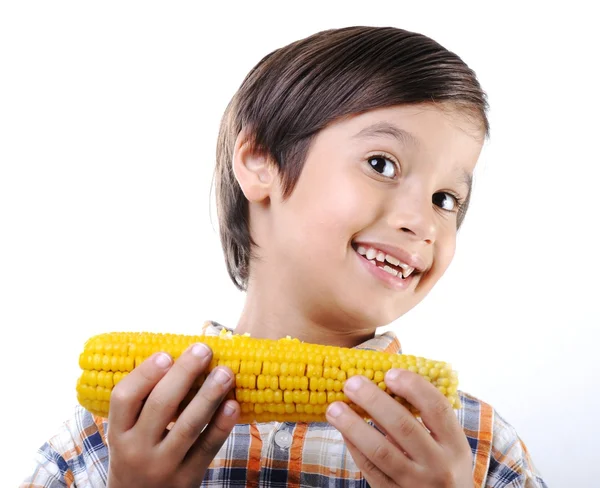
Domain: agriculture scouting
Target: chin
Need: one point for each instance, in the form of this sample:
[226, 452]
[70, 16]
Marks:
[368, 316]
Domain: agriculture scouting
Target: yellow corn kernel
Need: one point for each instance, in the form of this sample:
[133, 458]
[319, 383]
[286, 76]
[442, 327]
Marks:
[281, 380]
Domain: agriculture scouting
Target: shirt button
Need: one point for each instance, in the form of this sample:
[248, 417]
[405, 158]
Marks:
[283, 439]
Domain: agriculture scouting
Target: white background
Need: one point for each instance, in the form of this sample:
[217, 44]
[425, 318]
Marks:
[108, 120]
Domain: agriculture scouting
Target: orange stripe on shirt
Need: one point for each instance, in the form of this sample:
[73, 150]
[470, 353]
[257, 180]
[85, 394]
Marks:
[69, 479]
[484, 444]
[254, 456]
[295, 464]
[393, 347]
[99, 421]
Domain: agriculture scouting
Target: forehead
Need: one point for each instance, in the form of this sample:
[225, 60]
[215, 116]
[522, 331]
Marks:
[432, 131]
[412, 123]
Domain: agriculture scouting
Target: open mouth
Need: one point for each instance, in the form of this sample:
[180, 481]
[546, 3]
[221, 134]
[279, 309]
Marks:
[388, 263]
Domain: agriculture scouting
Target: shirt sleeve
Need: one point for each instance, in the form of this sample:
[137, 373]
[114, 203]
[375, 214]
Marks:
[49, 470]
[511, 465]
[76, 457]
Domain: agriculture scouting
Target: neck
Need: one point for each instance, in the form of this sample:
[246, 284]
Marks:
[274, 312]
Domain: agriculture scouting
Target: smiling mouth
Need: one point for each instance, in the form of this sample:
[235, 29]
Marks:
[386, 262]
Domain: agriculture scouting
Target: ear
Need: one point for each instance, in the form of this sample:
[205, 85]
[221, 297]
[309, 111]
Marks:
[254, 171]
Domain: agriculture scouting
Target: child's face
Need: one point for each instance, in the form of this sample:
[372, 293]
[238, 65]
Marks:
[361, 185]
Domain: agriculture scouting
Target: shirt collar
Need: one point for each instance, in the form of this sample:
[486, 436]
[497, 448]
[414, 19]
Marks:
[386, 342]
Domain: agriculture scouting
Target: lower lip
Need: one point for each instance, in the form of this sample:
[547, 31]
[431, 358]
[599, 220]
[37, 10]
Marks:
[391, 281]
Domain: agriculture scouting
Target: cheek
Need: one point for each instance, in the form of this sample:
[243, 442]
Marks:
[445, 251]
[329, 209]
[443, 254]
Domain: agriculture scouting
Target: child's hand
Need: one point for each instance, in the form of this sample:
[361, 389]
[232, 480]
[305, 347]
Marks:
[143, 453]
[408, 456]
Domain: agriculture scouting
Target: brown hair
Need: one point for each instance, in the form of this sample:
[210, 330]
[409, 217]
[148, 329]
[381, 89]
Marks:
[297, 90]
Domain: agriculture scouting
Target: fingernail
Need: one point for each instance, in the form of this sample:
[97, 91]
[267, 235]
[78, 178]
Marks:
[229, 409]
[200, 350]
[393, 374]
[335, 410]
[221, 376]
[162, 360]
[354, 383]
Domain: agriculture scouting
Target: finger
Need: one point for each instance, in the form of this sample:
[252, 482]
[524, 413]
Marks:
[373, 475]
[128, 396]
[435, 409]
[162, 404]
[374, 446]
[395, 419]
[214, 436]
[198, 413]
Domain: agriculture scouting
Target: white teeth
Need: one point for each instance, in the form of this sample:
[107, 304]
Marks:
[373, 254]
[406, 272]
[391, 271]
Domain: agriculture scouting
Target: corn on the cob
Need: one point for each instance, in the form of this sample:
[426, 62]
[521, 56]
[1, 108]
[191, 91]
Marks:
[282, 380]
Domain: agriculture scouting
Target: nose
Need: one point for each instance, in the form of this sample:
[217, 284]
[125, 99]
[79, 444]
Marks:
[412, 213]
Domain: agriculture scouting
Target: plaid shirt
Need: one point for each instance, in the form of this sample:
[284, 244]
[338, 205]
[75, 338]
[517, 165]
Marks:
[286, 454]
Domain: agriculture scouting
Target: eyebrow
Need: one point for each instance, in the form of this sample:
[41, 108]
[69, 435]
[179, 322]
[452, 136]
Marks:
[467, 179]
[386, 129]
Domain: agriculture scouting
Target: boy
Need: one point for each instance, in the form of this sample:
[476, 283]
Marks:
[344, 166]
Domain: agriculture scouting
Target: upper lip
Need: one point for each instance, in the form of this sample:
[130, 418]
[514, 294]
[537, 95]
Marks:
[412, 259]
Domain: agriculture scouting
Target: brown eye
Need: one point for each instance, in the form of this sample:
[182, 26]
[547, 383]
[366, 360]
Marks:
[384, 166]
[445, 200]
